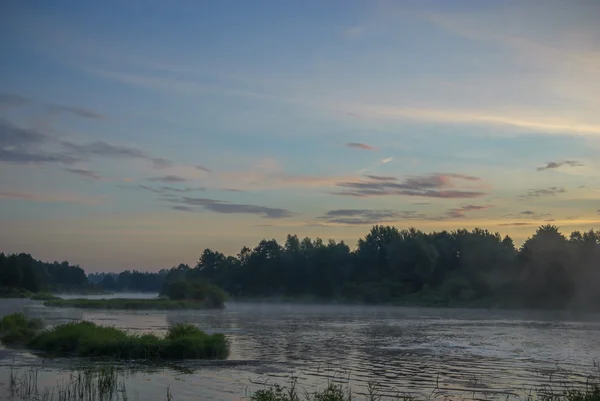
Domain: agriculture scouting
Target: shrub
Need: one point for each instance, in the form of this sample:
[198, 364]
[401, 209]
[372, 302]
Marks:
[182, 341]
[17, 329]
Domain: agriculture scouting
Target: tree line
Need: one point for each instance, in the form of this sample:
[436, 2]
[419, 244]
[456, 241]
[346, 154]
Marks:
[388, 265]
[22, 272]
[131, 281]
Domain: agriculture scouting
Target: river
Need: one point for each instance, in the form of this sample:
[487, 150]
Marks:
[462, 352]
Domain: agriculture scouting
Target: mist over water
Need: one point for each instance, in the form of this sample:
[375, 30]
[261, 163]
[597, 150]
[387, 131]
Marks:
[409, 349]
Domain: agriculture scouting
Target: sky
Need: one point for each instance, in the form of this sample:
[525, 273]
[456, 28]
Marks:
[134, 134]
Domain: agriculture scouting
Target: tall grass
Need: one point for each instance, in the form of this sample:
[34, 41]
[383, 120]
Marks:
[139, 304]
[109, 384]
[334, 391]
[182, 341]
[82, 385]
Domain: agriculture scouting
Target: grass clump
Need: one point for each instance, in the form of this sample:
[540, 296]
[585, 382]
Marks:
[17, 329]
[14, 293]
[183, 341]
[43, 296]
[136, 304]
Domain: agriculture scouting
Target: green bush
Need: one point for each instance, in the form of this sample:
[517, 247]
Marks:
[182, 341]
[17, 329]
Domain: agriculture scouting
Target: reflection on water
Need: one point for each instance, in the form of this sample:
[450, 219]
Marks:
[410, 349]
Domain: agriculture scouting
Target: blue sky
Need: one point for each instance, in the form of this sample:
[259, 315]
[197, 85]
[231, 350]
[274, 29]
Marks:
[135, 134]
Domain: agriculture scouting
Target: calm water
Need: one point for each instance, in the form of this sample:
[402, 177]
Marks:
[411, 350]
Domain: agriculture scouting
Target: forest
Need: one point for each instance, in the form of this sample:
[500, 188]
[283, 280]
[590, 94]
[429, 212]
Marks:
[387, 266]
[457, 268]
[23, 272]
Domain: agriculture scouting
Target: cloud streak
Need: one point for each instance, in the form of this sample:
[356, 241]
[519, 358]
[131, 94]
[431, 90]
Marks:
[381, 178]
[358, 145]
[551, 191]
[51, 198]
[84, 173]
[165, 189]
[218, 206]
[432, 186]
[202, 168]
[168, 179]
[555, 165]
[24, 146]
[12, 100]
[78, 111]
[461, 212]
[368, 217]
[20, 146]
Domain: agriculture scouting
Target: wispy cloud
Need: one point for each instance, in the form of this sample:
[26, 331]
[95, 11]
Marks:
[358, 145]
[104, 149]
[166, 189]
[433, 186]
[381, 178]
[218, 206]
[202, 168]
[184, 208]
[534, 123]
[368, 217]
[84, 173]
[387, 160]
[21, 146]
[58, 198]
[554, 165]
[516, 224]
[78, 111]
[528, 215]
[551, 191]
[27, 146]
[461, 212]
[12, 100]
[168, 179]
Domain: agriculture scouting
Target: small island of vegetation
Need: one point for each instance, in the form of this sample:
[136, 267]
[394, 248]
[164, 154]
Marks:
[182, 341]
[195, 294]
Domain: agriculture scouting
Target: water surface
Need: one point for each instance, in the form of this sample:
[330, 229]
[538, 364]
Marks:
[411, 350]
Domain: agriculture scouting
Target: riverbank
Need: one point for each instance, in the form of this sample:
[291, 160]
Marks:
[133, 304]
[409, 301]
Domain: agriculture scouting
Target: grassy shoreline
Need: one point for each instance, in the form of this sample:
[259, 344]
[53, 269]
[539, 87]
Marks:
[109, 383]
[87, 339]
[133, 304]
